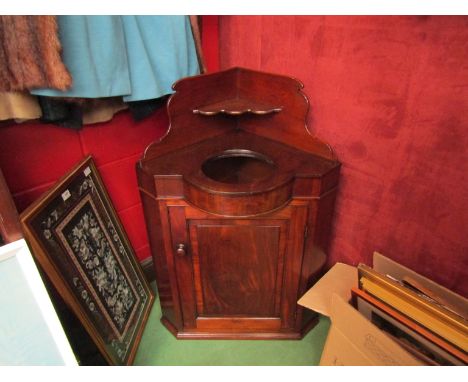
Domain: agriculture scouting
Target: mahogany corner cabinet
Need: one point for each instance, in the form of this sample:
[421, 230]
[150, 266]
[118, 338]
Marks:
[238, 200]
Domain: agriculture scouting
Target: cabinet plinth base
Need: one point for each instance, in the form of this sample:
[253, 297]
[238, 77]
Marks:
[193, 334]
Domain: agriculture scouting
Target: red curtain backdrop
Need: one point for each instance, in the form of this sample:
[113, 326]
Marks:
[210, 39]
[390, 94]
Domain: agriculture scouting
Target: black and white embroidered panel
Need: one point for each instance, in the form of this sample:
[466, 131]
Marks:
[86, 245]
[94, 255]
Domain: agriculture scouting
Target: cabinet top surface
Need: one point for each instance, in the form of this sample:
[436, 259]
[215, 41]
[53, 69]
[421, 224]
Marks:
[238, 162]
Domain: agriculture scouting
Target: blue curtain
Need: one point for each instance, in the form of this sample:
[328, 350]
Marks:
[137, 57]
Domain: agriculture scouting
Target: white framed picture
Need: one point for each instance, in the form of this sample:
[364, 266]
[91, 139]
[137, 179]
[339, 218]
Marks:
[30, 331]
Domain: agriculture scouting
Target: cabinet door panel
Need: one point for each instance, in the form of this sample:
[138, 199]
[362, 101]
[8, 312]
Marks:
[238, 267]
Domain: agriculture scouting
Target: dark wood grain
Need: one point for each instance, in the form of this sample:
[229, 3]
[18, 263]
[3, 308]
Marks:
[182, 255]
[226, 291]
[10, 227]
[238, 206]
[156, 240]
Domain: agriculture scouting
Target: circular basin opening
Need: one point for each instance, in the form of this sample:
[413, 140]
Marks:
[238, 166]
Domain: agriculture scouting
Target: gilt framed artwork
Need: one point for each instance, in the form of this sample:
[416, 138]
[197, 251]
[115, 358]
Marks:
[78, 240]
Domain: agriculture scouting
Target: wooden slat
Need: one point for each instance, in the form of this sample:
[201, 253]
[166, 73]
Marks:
[10, 228]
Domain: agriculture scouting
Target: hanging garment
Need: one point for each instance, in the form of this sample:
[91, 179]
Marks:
[94, 52]
[61, 112]
[18, 106]
[30, 54]
[66, 113]
[142, 109]
[102, 109]
[137, 57]
[161, 50]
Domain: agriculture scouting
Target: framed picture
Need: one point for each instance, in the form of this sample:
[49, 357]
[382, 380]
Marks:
[416, 340]
[30, 331]
[78, 240]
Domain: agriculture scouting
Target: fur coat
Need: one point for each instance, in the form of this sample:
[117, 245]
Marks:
[30, 54]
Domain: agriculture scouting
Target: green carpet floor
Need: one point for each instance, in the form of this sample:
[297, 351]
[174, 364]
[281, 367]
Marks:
[158, 347]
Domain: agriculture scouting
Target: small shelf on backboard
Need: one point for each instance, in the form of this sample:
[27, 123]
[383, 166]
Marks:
[237, 106]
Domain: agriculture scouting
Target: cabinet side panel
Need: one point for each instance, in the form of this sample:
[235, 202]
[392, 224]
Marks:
[293, 266]
[321, 237]
[183, 264]
[153, 225]
[238, 266]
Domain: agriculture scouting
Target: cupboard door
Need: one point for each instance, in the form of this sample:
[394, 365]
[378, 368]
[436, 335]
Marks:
[238, 266]
[236, 275]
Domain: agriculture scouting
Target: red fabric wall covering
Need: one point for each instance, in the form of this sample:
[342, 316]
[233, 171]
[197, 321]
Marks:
[390, 94]
[34, 155]
[210, 38]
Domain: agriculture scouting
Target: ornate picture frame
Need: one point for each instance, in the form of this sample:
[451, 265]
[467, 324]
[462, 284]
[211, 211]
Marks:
[76, 237]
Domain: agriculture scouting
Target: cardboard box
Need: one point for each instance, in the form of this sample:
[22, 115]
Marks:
[352, 339]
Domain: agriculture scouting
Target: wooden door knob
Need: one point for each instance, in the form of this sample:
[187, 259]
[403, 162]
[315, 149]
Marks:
[180, 250]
